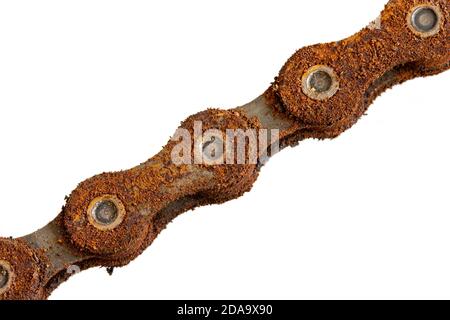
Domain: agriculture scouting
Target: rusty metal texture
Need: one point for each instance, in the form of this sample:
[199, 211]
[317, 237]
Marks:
[320, 92]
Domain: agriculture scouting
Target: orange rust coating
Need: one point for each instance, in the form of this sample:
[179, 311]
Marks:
[359, 62]
[26, 266]
[148, 188]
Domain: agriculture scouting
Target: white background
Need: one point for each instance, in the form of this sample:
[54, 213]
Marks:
[93, 86]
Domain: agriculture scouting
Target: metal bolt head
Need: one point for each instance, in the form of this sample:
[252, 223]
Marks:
[425, 20]
[106, 212]
[320, 83]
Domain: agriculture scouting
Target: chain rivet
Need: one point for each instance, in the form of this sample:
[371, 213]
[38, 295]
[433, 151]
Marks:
[320, 82]
[425, 20]
[106, 212]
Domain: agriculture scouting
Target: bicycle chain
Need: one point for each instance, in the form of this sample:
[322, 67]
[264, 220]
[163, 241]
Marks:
[320, 92]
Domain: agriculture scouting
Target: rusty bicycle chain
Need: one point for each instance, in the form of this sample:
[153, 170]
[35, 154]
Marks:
[321, 91]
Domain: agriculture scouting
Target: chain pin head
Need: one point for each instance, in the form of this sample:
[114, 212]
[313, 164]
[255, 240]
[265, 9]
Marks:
[106, 212]
[320, 83]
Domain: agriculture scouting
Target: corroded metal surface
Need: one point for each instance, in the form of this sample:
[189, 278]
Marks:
[112, 218]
